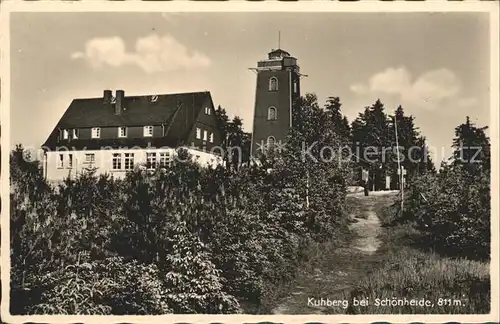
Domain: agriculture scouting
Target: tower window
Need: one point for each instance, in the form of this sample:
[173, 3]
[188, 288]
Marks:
[295, 87]
[272, 113]
[270, 142]
[273, 84]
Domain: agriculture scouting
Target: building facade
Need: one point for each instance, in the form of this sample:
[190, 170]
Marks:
[276, 96]
[114, 133]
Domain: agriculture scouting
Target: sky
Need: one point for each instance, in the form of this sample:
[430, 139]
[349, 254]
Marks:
[436, 65]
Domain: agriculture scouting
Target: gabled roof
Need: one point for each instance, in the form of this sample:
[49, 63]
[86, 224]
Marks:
[176, 112]
[138, 110]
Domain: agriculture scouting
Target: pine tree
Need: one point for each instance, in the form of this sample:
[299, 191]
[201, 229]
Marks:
[407, 140]
[339, 123]
[371, 137]
[472, 146]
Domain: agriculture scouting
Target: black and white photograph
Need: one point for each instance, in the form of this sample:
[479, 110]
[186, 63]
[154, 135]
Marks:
[290, 163]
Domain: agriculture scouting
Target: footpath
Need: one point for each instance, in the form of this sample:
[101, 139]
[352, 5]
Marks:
[341, 268]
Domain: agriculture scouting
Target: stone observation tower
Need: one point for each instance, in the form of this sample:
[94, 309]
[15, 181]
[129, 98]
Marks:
[278, 87]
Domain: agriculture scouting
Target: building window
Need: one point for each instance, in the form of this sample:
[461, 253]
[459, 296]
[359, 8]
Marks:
[60, 161]
[273, 84]
[90, 158]
[70, 161]
[65, 134]
[164, 159]
[154, 98]
[122, 131]
[198, 133]
[148, 131]
[129, 161]
[270, 142]
[272, 113]
[96, 132]
[205, 135]
[151, 161]
[211, 137]
[295, 87]
[75, 133]
[117, 161]
[208, 111]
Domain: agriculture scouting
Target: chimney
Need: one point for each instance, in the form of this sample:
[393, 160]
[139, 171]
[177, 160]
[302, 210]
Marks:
[120, 95]
[108, 95]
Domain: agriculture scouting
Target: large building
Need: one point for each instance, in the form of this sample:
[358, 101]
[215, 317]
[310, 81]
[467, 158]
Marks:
[115, 133]
[278, 88]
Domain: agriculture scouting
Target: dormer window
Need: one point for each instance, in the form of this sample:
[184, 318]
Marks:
[96, 132]
[65, 134]
[75, 134]
[208, 111]
[122, 131]
[273, 84]
[154, 98]
[148, 131]
[272, 113]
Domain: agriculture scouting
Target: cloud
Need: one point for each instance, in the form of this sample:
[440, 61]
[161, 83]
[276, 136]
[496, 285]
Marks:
[151, 53]
[429, 90]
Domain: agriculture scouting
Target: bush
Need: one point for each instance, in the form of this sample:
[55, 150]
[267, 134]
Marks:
[111, 286]
[193, 283]
[183, 240]
[454, 208]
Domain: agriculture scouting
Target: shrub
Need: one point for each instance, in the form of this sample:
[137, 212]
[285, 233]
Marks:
[454, 208]
[111, 286]
[193, 283]
[183, 240]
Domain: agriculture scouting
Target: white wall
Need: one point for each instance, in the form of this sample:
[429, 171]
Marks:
[104, 161]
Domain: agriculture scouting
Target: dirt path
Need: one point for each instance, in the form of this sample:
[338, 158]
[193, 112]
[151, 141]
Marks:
[340, 268]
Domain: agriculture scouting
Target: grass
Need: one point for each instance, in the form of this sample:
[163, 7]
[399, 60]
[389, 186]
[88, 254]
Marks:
[405, 266]
[317, 259]
[462, 286]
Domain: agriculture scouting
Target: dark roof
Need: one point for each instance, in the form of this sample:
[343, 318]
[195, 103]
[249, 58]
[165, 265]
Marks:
[176, 112]
[139, 110]
[278, 52]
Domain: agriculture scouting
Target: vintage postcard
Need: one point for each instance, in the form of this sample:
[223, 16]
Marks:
[243, 162]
